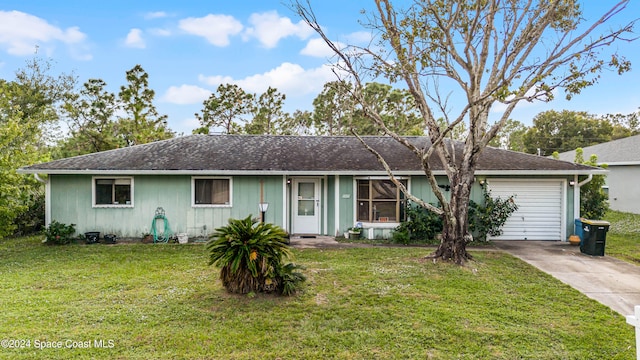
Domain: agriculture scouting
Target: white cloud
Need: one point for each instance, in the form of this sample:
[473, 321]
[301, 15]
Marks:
[20, 33]
[318, 48]
[269, 28]
[186, 94]
[72, 36]
[134, 39]
[216, 80]
[159, 32]
[215, 28]
[155, 15]
[290, 79]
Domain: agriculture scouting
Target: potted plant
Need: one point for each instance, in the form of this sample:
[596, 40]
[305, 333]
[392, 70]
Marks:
[354, 233]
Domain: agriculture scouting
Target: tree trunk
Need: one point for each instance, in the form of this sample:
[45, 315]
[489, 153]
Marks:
[455, 232]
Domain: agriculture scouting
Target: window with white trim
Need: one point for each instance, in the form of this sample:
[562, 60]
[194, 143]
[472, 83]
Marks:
[211, 191]
[380, 201]
[113, 191]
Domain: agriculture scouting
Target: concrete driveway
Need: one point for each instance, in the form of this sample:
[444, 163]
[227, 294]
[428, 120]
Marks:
[612, 282]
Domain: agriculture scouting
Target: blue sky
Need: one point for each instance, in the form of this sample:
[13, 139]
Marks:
[189, 47]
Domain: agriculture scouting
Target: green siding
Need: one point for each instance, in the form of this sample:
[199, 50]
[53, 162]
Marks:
[382, 233]
[246, 196]
[71, 203]
[331, 205]
[346, 206]
[421, 188]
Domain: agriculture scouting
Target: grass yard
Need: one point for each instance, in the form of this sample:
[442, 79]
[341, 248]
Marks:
[164, 302]
[623, 238]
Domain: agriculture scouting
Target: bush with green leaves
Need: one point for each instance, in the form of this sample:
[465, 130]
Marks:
[59, 234]
[31, 220]
[593, 199]
[421, 226]
[488, 218]
[251, 256]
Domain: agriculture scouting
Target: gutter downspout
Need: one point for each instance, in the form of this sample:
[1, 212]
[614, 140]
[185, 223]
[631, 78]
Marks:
[47, 198]
[576, 194]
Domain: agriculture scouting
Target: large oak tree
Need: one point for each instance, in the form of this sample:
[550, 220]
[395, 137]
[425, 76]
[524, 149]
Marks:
[480, 52]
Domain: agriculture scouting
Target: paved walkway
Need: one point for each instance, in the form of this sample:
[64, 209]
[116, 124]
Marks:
[612, 282]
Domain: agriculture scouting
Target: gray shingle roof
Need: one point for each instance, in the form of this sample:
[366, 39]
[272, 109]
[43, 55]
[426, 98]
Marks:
[282, 154]
[626, 150]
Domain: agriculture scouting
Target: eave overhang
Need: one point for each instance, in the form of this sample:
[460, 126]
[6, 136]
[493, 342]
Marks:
[305, 173]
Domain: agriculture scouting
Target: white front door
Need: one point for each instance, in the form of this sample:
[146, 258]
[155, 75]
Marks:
[306, 206]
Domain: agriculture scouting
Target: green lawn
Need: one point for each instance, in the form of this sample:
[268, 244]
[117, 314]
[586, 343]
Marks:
[164, 302]
[623, 238]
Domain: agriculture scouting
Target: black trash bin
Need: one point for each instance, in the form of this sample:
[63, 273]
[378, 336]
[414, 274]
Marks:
[92, 237]
[594, 237]
[109, 239]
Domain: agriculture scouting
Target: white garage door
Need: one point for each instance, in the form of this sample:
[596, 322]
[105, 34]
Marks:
[540, 208]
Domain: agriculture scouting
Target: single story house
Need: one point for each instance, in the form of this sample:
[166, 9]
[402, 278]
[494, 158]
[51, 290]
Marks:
[622, 157]
[313, 185]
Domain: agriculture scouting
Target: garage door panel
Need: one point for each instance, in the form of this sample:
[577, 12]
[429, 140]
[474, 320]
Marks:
[534, 221]
[530, 231]
[540, 208]
[535, 212]
[550, 228]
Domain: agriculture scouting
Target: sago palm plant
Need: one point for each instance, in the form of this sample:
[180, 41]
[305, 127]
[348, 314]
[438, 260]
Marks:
[250, 255]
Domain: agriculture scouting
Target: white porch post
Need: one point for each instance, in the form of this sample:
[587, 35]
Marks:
[576, 198]
[285, 202]
[634, 320]
[336, 210]
[325, 210]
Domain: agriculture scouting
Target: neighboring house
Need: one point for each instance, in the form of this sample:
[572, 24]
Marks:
[623, 159]
[314, 185]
